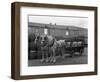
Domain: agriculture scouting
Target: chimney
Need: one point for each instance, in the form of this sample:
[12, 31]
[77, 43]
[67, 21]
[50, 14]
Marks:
[50, 23]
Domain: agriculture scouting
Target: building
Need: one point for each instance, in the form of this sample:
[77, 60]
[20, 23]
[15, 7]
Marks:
[59, 31]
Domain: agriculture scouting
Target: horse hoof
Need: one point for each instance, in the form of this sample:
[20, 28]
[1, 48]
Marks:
[54, 61]
[42, 60]
[63, 57]
[47, 60]
[51, 60]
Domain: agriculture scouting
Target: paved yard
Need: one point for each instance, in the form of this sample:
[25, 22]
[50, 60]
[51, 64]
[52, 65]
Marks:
[66, 61]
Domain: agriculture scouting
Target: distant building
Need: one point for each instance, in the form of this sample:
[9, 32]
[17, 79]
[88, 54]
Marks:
[56, 30]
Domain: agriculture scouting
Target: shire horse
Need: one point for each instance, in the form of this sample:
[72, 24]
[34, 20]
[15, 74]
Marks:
[61, 48]
[49, 46]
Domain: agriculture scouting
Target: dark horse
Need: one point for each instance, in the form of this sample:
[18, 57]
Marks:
[34, 45]
[31, 39]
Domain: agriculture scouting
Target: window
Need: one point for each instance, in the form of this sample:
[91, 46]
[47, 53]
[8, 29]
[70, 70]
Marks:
[45, 31]
[67, 33]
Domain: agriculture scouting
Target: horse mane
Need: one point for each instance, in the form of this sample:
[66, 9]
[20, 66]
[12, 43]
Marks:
[51, 40]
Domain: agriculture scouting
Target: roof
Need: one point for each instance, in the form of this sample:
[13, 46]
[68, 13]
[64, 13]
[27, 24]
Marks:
[54, 26]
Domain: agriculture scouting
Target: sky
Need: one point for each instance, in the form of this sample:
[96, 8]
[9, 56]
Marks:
[59, 20]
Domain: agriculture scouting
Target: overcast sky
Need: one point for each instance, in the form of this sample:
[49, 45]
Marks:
[72, 21]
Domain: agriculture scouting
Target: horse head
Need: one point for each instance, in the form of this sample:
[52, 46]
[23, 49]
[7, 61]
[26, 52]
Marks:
[37, 39]
[44, 40]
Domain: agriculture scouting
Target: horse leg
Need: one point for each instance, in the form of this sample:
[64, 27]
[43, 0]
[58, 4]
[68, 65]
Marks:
[62, 54]
[81, 51]
[47, 59]
[54, 56]
[50, 53]
[72, 53]
[42, 60]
